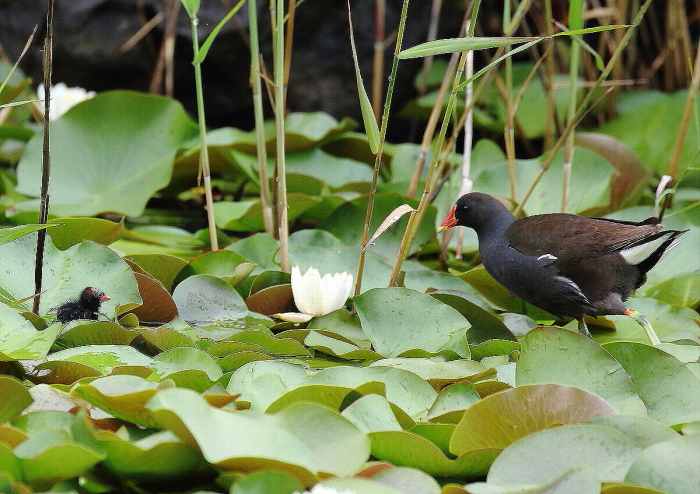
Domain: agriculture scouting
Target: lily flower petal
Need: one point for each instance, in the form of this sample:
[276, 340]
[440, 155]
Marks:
[63, 98]
[316, 295]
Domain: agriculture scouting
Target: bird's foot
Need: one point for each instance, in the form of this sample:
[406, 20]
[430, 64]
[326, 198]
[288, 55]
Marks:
[583, 328]
[644, 322]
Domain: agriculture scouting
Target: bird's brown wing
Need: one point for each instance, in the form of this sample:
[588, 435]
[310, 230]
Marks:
[569, 237]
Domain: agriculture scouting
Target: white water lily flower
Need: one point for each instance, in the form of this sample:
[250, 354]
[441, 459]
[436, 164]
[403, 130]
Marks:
[63, 98]
[315, 295]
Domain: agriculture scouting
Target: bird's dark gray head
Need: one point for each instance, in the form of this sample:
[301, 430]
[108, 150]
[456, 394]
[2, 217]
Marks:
[478, 211]
[92, 298]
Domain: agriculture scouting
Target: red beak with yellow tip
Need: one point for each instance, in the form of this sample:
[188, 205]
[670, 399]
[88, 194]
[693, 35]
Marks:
[449, 221]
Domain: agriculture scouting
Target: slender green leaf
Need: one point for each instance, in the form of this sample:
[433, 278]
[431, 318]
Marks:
[368, 117]
[191, 6]
[204, 49]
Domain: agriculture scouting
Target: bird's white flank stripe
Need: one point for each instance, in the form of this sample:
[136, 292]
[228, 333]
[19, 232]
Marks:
[638, 253]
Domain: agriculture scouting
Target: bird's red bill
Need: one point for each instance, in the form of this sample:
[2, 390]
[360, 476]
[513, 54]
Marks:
[450, 221]
[104, 297]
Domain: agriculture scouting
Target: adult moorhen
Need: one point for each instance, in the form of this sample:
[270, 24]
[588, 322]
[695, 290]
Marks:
[86, 306]
[566, 264]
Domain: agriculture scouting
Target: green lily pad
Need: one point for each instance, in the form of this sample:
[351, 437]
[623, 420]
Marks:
[554, 355]
[330, 345]
[19, 340]
[353, 213]
[246, 216]
[669, 466]
[404, 448]
[164, 338]
[372, 413]
[485, 325]
[205, 299]
[66, 274]
[158, 457]
[669, 389]
[404, 389]
[399, 319]
[122, 396]
[10, 234]
[606, 451]
[502, 418]
[648, 122]
[71, 231]
[15, 398]
[125, 143]
[267, 482]
[294, 441]
[259, 248]
[221, 263]
[187, 358]
[642, 430]
[162, 267]
[101, 358]
[60, 461]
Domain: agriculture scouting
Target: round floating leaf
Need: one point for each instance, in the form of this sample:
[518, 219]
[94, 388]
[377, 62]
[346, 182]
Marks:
[66, 274]
[101, 358]
[652, 113]
[124, 144]
[10, 234]
[670, 466]
[485, 325]
[122, 396]
[62, 372]
[158, 305]
[247, 215]
[404, 448]
[158, 457]
[59, 462]
[560, 356]
[333, 397]
[670, 390]
[578, 480]
[544, 456]
[71, 231]
[19, 340]
[372, 413]
[191, 358]
[271, 300]
[164, 338]
[353, 213]
[642, 430]
[267, 482]
[206, 299]
[502, 418]
[220, 263]
[336, 445]
[162, 267]
[404, 389]
[15, 398]
[97, 333]
[399, 319]
[436, 371]
[295, 441]
[329, 344]
[275, 344]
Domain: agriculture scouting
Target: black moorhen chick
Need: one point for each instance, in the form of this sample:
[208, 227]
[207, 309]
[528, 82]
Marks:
[566, 264]
[87, 306]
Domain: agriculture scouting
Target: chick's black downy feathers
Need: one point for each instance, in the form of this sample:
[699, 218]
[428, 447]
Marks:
[87, 306]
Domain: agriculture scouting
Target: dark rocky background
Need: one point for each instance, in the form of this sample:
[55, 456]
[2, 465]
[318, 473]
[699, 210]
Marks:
[89, 34]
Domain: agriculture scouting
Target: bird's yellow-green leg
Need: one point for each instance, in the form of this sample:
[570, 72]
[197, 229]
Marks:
[583, 329]
[644, 322]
